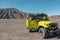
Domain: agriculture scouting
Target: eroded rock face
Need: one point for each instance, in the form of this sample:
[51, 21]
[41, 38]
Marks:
[11, 13]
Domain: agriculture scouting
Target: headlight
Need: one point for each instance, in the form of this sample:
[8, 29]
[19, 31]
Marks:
[47, 24]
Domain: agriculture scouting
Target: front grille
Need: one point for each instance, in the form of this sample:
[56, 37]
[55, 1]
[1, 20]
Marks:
[53, 26]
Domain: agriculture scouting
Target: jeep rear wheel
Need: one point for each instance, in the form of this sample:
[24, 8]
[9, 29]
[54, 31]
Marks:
[30, 30]
[43, 32]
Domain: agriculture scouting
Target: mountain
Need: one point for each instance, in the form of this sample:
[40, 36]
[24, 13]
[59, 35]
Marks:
[55, 17]
[11, 13]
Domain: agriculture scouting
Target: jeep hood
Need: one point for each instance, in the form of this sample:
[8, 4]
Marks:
[47, 22]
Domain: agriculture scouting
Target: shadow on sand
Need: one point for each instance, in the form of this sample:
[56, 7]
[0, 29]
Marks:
[53, 36]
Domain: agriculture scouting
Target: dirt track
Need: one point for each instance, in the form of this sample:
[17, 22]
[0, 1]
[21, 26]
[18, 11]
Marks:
[16, 30]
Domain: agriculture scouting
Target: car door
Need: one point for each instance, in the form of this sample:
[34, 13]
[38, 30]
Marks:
[33, 23]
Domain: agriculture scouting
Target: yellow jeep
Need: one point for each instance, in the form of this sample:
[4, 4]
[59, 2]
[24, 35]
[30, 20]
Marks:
[41, 24]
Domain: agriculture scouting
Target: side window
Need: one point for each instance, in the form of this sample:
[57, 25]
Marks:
[30, 18]
[44, 17]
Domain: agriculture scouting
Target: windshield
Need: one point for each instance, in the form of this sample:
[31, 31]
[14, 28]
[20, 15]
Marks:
[42, 18]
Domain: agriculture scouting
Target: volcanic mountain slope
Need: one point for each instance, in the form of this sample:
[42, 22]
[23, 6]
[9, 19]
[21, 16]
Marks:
[11, 13]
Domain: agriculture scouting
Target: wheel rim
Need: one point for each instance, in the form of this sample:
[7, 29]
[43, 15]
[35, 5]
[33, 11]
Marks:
[42, 33]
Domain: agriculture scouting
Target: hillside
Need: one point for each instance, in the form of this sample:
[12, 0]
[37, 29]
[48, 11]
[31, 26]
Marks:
[11, 13]
[55, 17]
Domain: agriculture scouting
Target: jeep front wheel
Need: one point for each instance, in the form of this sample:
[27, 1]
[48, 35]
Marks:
[43, 32]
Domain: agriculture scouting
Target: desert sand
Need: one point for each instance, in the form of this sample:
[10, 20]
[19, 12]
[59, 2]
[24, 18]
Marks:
[15, 29]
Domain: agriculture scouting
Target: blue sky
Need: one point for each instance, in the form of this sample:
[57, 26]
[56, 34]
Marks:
[50, 7]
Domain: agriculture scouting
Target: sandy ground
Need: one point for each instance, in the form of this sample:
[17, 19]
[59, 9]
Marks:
[11, 29]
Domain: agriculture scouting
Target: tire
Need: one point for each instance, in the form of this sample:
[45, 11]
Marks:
[43, 32]
[31, 30]
[58, 33]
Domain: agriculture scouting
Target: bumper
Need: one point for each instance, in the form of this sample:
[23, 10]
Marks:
[54, 32]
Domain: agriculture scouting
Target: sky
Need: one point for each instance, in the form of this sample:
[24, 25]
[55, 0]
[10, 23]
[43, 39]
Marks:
[50, 7]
